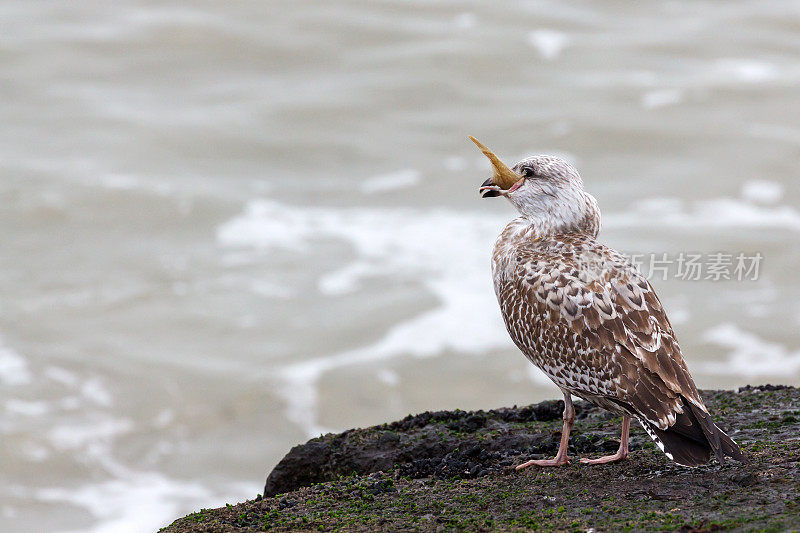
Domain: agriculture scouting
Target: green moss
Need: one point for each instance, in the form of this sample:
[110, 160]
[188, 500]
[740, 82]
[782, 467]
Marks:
[572, 498]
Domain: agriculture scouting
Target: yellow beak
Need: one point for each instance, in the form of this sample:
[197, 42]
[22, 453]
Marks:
[503, 176]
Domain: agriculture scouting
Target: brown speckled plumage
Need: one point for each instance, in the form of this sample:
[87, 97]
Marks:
[584, 315]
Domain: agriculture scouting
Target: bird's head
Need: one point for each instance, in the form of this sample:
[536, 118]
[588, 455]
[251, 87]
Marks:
[545, 189]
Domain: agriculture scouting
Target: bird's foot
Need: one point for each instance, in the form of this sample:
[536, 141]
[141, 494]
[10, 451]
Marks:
[556, 461]
[606, 459]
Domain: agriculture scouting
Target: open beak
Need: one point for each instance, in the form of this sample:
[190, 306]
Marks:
[503, 180]
[489, 189]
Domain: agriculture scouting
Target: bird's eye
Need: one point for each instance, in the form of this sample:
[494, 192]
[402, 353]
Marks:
[527, 172]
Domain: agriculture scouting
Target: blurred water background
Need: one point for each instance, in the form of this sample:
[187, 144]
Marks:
[225, 227]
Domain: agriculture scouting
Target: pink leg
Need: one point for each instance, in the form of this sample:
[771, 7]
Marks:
[561, 457]
[622, 452]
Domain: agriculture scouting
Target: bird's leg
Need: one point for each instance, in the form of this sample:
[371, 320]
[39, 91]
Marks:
[561, 457]
[622, 452]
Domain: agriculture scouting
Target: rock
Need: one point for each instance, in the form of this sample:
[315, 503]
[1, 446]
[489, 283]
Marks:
[762, 388]
[299, 468]
[427, 445]
[453, 470]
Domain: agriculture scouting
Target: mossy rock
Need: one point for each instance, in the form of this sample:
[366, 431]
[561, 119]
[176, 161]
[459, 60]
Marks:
[453, 470]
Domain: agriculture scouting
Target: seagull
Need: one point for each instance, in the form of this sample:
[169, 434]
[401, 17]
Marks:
[583, 314]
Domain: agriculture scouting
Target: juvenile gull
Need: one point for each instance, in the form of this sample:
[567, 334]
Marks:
[588, 318]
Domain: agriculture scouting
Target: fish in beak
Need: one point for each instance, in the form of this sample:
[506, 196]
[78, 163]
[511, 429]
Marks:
[503, 181]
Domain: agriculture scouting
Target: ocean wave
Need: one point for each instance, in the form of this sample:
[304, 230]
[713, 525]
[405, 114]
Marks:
[762, 191]
[661, 98]
[390, 182]
[13, 367]
[745, 70]
[119, 497]
[549, 43]
[56, 416]
[123, 182]
[707, 214]
[749, 355]
[135, 501]
[448, 252]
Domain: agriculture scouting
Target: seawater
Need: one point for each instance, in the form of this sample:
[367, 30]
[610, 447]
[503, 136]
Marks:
[226, 228]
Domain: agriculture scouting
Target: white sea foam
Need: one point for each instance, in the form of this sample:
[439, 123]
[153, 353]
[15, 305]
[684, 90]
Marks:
[749, 355]
[135, 501]
[549, 43]
[448, 252]
[344, 280]
[714, 213]
[125, 182]
[61, 376]
[270, 290]
[94, 391]
[119, 181]
[259, 228]
[661, 98]
[27, 408]
[465, 21]
[13, 367]
[746, 70]
[390, 182]
[81, 424]
[445, 250]
[762, 191]
[120, 498]
[388, 377]
[35, 452]
[72, 436]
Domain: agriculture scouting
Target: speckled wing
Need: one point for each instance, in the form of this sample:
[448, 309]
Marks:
[593, 323]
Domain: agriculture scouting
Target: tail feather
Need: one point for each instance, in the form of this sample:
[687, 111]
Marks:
[693, 438]
[680, 448]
